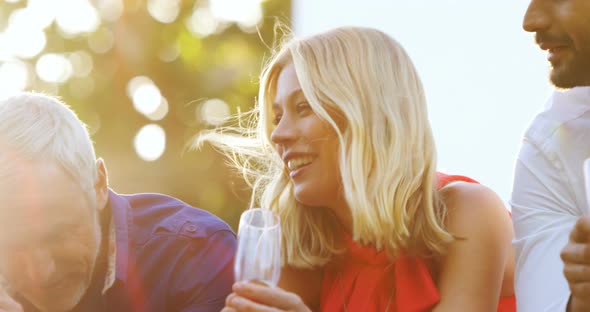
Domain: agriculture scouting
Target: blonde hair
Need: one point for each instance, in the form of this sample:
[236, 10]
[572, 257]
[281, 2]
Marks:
[38, 127]
[387, 151]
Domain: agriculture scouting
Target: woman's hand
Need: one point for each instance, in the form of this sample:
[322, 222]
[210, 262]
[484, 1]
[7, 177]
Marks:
[254, 297]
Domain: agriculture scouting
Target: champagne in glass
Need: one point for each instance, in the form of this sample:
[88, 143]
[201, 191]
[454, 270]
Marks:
[258, 258]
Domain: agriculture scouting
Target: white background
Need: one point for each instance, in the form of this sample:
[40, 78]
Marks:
[485, 79]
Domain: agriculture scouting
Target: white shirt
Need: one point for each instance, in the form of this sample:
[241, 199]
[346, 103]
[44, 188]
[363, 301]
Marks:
[548, 197]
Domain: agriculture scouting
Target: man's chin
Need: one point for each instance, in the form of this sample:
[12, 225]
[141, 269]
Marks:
[570, 75]
[562, 82]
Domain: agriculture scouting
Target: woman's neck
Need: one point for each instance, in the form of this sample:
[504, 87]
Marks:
[342, 211]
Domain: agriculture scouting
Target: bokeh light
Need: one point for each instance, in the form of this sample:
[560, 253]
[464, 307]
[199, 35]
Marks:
[160, 112]
[135, 82]
[76, 16]
[54, 67]
[22, 24]
[101, 41]
[29, 48]
[163, 11]
[150, 142]
[82, 63]
[5, 51]
[131, 69]
[246, 13]
[169, 54]
[14, 77]
[42, 13]
[146, 98]
[110, 10]
[214, 112]
[26, 18]
[202, 23]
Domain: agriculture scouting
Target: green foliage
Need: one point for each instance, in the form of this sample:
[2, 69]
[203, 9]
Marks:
[187, 69]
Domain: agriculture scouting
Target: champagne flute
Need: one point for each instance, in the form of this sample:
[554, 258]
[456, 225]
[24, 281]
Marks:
[258, 258]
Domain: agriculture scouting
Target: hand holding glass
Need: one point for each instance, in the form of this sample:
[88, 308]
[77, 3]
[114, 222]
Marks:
[258, 258]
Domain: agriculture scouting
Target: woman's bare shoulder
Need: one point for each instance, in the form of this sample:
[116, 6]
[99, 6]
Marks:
[472, 208]
[472, 272]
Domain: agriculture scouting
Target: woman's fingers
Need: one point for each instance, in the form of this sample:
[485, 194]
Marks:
[241, 304]
[270, 296]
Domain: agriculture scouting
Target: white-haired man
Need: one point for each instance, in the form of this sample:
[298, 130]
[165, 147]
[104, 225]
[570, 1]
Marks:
[69, 243]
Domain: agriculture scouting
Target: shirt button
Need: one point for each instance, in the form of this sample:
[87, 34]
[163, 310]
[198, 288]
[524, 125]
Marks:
[191, 228]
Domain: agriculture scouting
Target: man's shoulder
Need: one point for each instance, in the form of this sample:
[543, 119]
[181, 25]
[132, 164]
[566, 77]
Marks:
[174, 252]
[158, 214]
[564, 109]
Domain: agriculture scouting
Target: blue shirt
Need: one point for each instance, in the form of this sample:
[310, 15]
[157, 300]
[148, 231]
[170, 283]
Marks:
[169, 257]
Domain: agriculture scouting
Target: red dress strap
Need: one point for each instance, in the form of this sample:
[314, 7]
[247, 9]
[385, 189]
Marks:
[443, 179]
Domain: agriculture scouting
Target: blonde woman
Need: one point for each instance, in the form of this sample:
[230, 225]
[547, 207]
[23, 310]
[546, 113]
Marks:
[341, 148]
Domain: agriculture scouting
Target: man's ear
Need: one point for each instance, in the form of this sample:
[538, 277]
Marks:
[101, 185]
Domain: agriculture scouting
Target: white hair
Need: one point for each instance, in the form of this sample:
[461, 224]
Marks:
[37, 127]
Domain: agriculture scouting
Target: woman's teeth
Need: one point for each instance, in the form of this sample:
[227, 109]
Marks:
[295, 163]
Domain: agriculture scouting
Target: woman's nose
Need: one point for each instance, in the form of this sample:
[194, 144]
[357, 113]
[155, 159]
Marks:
[284, 131]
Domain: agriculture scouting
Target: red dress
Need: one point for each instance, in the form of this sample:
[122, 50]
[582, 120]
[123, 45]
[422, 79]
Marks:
[366, 279]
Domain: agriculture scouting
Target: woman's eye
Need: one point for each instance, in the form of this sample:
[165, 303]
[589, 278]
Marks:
[302, 106]
[276, 120]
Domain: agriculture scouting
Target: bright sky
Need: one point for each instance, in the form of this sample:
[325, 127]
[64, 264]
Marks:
[485, 79]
